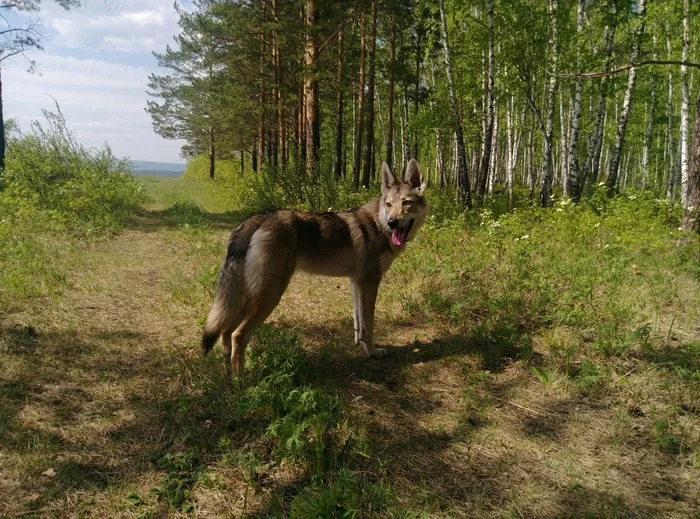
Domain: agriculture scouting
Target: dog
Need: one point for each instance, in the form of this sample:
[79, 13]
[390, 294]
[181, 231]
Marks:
[266, 249]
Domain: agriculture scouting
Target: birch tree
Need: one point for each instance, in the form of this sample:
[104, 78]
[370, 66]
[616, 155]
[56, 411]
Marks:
[464, 187]
[685, 105]
[616, 152]
[574, 188]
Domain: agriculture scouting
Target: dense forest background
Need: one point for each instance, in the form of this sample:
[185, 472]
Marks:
[529, 97]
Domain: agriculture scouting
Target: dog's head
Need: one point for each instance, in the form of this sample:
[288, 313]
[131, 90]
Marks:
[403, 207]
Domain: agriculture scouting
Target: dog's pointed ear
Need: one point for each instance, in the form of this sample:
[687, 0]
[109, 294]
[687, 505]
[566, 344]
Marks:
[414, 177]
[388, 179]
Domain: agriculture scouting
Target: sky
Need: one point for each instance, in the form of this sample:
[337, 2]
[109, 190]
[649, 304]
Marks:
[95, 64]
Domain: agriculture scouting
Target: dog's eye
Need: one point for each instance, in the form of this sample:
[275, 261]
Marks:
[407, 203]
[388, 205]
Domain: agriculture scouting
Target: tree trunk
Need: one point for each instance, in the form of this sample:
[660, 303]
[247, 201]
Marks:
[281, 124]
[338, 157]
[685, 105]
[626, 104]
[404, 131]
[573, 187]
[212, 153]
[390, 100]
[277, 139]
[489, 108]
[512, 145]
[357, 163]
[439, 154]
[2, 131]
[546, 192]
[301, 133]
[648, 131]
[416, 86]
[564, 142]
[493, 166]
[669, 141]
[691, 211]
[596, 141]
[464, 187]
[313, 135]
[532, 176]
[262, 104]
[369, 142]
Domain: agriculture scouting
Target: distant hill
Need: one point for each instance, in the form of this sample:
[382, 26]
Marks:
[159, 169]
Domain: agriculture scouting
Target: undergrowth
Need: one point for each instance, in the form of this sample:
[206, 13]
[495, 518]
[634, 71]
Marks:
[53, 192]
[597, 302]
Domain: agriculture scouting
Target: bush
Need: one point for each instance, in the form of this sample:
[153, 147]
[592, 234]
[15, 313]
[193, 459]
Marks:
[84, 190]
[51, 185]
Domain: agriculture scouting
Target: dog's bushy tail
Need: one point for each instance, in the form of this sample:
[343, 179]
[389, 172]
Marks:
[230, 289]
[227, 304]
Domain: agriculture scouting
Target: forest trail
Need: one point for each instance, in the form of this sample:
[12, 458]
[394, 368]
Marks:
[97, 383]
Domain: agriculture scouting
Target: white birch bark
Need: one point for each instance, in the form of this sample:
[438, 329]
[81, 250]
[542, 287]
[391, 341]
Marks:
[464, 187]
[592, 164]
[670, 148]
[685, 104]
[564, 158]
[616, 152]
[648, 132]
[546, 192]
[573, 181]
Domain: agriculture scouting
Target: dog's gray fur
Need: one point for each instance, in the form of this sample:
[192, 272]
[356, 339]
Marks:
[265, 250]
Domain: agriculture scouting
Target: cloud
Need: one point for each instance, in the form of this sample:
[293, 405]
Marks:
[96, 65]
[102, 101]
[128, 28]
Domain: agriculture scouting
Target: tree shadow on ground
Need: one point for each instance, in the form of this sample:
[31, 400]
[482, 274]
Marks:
[423, 426]
[101, 418]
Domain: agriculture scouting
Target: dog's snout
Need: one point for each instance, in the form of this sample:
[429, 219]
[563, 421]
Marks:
[393, 223]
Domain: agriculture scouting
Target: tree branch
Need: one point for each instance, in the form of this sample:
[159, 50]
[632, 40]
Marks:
[623, 68]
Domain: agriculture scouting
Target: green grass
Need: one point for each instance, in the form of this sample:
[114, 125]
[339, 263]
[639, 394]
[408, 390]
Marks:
[542, 363]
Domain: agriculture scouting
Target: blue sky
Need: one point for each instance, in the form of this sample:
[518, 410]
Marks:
[95, 63]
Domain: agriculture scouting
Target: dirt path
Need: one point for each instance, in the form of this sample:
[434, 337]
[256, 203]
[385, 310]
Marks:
[82, 372]
[91, 387]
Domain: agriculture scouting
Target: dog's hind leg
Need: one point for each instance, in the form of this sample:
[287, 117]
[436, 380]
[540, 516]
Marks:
[258, 309]
[268, 281]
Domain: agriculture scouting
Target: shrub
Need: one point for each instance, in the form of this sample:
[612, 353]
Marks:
[84, 190]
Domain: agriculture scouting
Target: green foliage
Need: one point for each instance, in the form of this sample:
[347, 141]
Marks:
[182, 472]
[574, 267]
[186, 215]
[86, 191]
[274, 189]
[346, 495]
[665, 439]
[53, 191]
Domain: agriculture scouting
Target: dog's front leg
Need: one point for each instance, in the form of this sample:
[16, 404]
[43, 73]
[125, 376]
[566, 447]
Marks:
[365, 296]
[355, 291]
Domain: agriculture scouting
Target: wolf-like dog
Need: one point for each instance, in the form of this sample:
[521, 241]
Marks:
[265, 250]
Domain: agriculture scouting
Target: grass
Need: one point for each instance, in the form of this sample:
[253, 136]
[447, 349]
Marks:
[542, 364]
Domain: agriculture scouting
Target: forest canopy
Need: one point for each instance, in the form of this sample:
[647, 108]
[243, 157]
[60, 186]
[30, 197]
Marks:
[541, 97]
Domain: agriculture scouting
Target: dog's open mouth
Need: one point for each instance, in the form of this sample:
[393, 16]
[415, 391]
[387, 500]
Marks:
[399, 236]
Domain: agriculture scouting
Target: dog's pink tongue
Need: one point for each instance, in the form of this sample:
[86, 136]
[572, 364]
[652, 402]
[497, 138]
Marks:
[398, 236]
